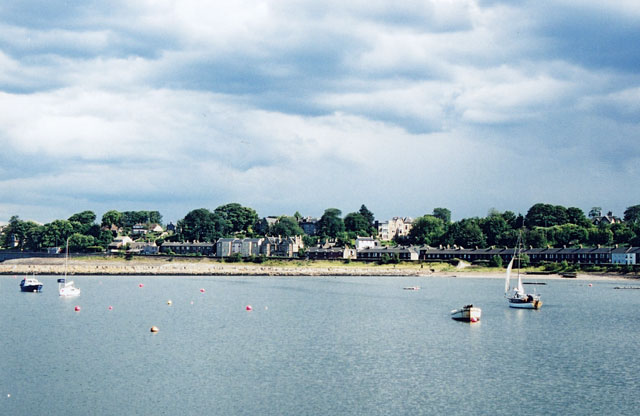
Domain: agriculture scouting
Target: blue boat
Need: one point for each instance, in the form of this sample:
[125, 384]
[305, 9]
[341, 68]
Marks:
[30, 284]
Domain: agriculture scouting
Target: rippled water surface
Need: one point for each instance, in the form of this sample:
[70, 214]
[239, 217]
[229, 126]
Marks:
[316, 346]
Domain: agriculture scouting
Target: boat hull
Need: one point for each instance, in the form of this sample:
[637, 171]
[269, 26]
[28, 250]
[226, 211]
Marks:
[467, 314]
[523, 304]
[31, 288]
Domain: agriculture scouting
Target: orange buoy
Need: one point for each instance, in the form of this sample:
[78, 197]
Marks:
[249, 308]
[154, 329]
[77, 308]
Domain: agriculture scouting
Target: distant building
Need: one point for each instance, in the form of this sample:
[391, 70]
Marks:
[309, 225]
[204, 249]
[331, 253]
[607, 219]
[397, 227]
[366, 242]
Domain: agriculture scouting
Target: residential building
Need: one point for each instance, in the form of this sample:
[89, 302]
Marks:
[331, 253]
[366, 242]
[309, 225]
[397, 227]
[402, 253]
[195, 248]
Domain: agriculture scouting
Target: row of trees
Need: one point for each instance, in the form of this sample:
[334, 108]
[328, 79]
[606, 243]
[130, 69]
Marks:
[543, 225]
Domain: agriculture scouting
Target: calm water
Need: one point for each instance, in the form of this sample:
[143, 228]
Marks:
[316, 346]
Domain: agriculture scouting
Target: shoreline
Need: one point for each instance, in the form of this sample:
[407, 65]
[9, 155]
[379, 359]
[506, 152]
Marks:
[207, 267]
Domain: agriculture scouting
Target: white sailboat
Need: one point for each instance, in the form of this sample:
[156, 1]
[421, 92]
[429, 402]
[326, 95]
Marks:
[517, 297]
[67, 288]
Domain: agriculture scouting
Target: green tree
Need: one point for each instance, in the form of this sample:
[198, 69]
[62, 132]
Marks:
[202, 225]
[443, 213]
[576, 216]
[546, 215]
[16, 231]
[112, 217]
[286, 227]
[496, 261]
[535, 238]
[79, 242]
[467, 233]
[493, 227]
[602, 235]
[622, 233]
[241, 219]
[368, 215]
[427, 230]
[86, 218]
[330, 224]
[632, 214]
[56, 233]
[595, 212]
[356, 223]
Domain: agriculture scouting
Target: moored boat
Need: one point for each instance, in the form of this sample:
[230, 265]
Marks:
[517, 297]
[468, 313]
[67, 288]
[30, 284]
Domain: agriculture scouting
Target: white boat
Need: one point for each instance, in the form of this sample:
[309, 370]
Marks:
[467, 313]
[517, 297]
[67, 288]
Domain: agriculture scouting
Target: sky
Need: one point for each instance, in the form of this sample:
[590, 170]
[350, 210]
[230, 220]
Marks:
[286, 106]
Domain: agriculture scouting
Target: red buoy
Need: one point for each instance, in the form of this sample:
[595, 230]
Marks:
[202, 290]
[77, 308]
[110, 307]
[249, 308]
[140, 285]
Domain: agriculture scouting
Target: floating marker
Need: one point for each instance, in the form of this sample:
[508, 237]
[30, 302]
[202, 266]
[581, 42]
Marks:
[140, 285]
[590, 285]
[202, 290]
[110, 307]
[249, 308]
[154, 329]
[169, 302]
[77, 308]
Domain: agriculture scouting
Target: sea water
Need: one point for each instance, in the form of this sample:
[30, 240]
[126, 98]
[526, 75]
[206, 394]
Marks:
[316, 346]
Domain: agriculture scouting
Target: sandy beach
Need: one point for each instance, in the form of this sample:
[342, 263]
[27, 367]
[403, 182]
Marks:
[213, 267]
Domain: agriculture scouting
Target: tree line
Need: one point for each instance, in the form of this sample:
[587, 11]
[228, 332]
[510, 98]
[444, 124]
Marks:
[543, 225]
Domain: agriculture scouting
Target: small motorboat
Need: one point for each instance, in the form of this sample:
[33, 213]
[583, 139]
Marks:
[468, 313]
[30, 284]
[67, 289]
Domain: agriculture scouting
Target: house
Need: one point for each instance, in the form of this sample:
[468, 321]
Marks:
[171, 227]
[139, 229]
[309, 225]
[402, 253]
[223, 247]
[281, 247]
[606, 219]
[155, 228]
[331, 253]
[366, 242]
[119, 243]
[194, 248]
[397, 227]
[143, 248]
[625, 255]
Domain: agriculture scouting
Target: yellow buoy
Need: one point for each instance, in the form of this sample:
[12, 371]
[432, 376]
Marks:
[154, 329]
[169, 302]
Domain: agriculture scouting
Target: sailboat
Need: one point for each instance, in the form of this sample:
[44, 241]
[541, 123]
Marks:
[517, 297]
[66, 288]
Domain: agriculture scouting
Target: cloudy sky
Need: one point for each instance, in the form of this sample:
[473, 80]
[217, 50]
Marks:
[289, 106]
